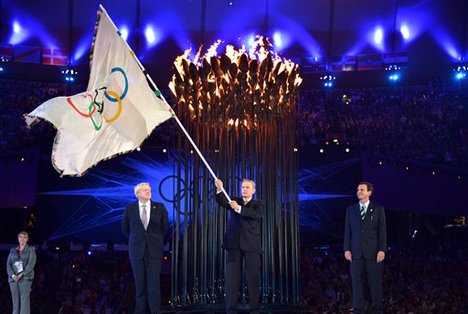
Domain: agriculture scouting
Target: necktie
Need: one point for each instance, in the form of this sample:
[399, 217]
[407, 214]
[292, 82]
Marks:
[143, 216]
[363, 212]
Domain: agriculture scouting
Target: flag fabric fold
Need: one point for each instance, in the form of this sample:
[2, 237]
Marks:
[113, 116]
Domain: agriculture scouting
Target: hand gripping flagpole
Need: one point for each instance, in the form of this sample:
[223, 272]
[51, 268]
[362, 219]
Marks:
[167, 104]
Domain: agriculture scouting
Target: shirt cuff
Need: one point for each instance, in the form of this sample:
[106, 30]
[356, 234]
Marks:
[218, 190]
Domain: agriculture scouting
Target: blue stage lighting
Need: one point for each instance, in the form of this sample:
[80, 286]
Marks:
[79, 53]
[251, 40]
[25, 26]
[82, 47]
[460, 71]
[278, 42]
[394, 77]
[70, 75]
[378, 36]
[109, 200]
[16, 27]
[394, 72]
[124, 32]
[281, 40]
[149, 34]
[374, 37]
[328, 80]
[18, 34]
[405, 33]
[153, 36]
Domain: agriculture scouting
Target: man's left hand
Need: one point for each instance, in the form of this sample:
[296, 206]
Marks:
[235, 206]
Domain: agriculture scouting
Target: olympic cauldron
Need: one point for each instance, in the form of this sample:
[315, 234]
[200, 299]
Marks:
[239, 108]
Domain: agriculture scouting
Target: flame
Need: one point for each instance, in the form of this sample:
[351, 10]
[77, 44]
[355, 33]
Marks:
[297, 81]
[172, 87]
[213, 50]
[240, 87]
[233, 54]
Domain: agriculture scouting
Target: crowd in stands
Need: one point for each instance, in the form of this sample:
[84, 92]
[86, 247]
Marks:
[416, 123]
[20, 97]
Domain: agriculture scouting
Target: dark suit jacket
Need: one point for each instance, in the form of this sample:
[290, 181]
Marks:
[364, 238]
[140, 239]
[244, 229]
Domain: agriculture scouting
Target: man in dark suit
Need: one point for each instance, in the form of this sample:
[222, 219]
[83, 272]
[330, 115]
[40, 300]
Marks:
[365, 244]
[144, 223]
[242, 240]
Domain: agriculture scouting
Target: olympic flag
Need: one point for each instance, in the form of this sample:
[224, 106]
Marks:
[113, 116]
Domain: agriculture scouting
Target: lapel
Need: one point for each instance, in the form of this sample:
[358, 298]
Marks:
[357, 210]
[154, 211]
[370, 211]
[137, 209]
[137, 214]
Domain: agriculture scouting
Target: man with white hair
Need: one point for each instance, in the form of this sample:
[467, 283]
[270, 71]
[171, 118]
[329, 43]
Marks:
[144, 223]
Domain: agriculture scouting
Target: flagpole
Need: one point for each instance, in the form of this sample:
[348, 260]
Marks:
[167, 104]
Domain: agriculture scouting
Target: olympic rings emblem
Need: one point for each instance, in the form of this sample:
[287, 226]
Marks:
[96, 103]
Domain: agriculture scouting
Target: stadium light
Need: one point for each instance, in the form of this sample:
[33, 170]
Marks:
[460, 71]
[394, 72]
[70, 75]
[328, 80]
[124, 32]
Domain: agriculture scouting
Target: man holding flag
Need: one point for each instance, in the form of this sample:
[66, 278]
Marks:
[115, 114]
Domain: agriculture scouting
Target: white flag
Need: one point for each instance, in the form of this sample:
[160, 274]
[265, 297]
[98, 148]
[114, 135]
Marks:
[116, 113]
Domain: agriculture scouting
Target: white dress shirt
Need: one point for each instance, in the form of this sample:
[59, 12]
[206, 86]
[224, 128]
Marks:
[366, 206]
[148, 210]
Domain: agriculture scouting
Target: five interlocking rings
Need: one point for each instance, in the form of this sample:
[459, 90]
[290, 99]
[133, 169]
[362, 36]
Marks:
[97, 107]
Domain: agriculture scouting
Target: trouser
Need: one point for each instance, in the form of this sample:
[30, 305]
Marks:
[233, 276]
[366, 275]
[20, 292]
[147, 272]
